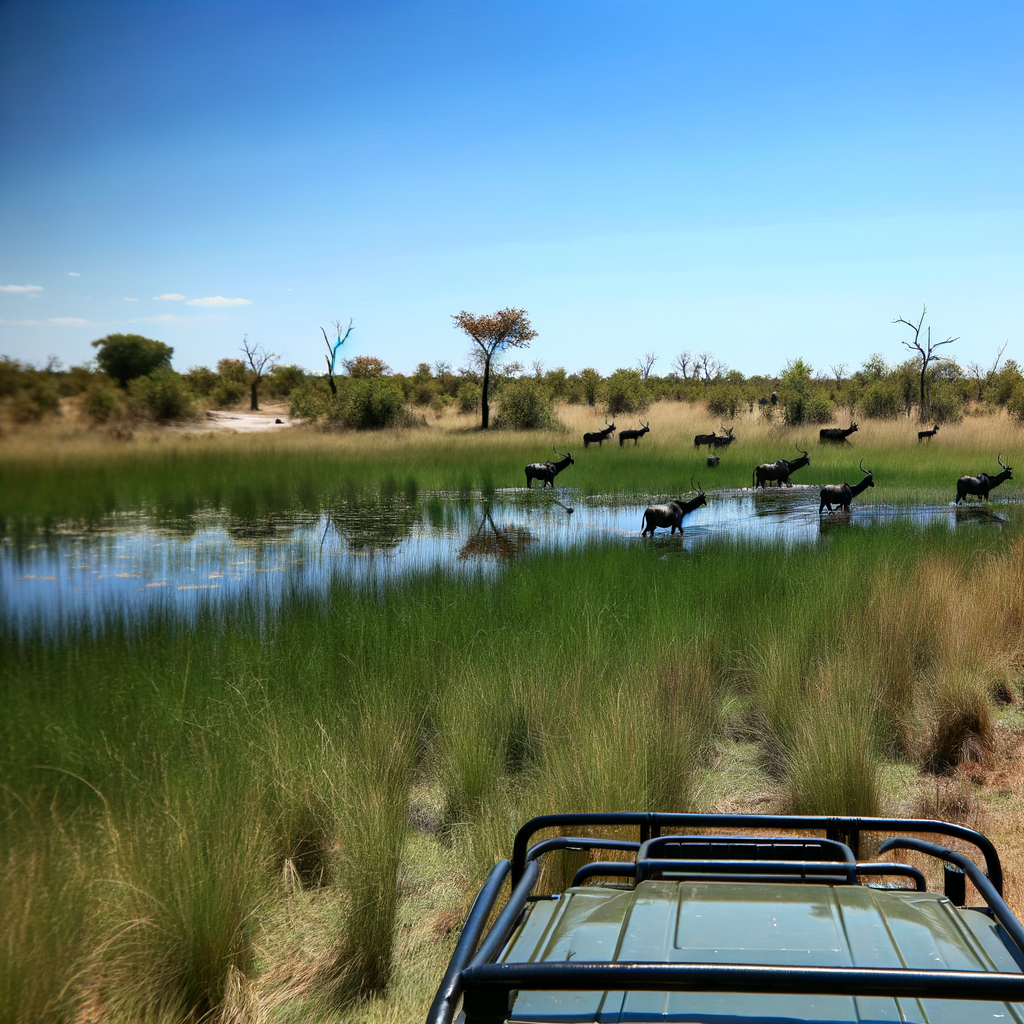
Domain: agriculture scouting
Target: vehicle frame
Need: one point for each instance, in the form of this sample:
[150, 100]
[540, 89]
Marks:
[734, 857]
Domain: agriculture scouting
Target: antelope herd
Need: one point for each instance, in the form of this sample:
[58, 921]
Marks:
[832, 497]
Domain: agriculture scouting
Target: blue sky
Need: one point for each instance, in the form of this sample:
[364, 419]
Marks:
[764, 181]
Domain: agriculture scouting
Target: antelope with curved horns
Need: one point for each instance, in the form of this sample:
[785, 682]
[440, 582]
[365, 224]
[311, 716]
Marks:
[836, 433]
[779, 471]
[546, 472]
[842, 494]
[598, 437]
[634, 435]
[981, 484]
[725, 439]
[671, 513]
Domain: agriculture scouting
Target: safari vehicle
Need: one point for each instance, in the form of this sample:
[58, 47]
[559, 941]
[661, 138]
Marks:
[718, 919]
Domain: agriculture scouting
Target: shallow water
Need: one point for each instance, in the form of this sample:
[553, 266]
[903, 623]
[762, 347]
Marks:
[140, 558]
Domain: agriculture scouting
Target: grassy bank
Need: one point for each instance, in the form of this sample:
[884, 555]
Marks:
[45, 478]
[284, 814]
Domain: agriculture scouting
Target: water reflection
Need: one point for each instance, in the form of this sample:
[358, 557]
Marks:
[138, 558]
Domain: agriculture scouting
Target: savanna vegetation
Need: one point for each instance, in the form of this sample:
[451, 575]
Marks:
[282, 812]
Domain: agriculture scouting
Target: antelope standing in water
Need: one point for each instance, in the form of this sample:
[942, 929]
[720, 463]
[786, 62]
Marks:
[842, 494]
[546, 472]
[981, 484]
[671, 513]
[779, 471]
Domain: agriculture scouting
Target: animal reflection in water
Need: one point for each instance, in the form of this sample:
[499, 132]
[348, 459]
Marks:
[492, 541]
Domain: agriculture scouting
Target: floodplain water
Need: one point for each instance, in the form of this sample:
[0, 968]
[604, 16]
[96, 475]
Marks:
[137, 558]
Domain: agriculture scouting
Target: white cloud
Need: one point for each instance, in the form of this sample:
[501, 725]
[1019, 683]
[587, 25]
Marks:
[169, 297]
[20, 288]
[73, 273]
[163, 318]
[129, 300]
[68, 321]
[218, 300]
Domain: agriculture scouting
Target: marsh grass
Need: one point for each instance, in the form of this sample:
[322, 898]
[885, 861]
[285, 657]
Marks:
[85, 478]
[194, 792]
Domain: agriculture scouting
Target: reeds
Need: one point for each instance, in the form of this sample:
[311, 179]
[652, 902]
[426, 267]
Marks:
[168, 790]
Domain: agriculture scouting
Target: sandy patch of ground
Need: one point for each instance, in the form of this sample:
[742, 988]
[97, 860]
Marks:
[267, 419]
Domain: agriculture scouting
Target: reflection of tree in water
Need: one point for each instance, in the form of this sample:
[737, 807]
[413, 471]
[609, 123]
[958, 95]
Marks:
[244, 528]
[491, 541]
[372, 523]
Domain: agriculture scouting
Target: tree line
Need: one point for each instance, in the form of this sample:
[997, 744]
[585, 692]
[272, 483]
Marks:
[132, 377]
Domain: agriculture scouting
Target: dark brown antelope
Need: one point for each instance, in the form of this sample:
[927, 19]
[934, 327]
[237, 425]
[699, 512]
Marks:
[836, 433]
[981, 484]
[702, 439]
[634, 435]
[546, 472]
[725, 439]
[598, 437]
[671, 513]
[779, 471]
[842, 494]
[922, 434]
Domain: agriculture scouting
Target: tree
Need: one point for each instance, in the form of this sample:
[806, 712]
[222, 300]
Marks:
[127, 356]
[332, 351]
[260, 362]
[370, 366]
[926, 354]
[684, 362]
[646, 364]
[493, 334]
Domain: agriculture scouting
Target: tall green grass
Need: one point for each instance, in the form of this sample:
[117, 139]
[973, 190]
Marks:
[253, 477]
[169, 785]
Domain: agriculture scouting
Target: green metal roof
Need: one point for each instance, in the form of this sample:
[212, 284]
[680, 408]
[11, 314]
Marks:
[753, 923]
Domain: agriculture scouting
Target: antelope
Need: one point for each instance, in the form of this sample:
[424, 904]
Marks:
[779, 471]
[981, 484]
[634, 435]
[546, 472]
[598, 437]
[842, 494]
[714, 460]
[724, 440]
[922, 434]
[671, 513]
[836, 433]
[702, 439]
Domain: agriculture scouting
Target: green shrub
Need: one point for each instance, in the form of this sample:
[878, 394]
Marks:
[162, 395]
[202, 380]
[367, 403]
[1015, 402]
[724, 400]
[104, 402]
[35, 400]
[126, 357]
[311, 401]
[228, 393]
[945, 404]
[624, 391]
[881, 400]
[284, 380]
[525, 405]
[819, 408]
[469, 398]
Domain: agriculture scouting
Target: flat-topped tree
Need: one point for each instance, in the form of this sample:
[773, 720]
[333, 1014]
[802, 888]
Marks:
[925, 352]
[492, 334]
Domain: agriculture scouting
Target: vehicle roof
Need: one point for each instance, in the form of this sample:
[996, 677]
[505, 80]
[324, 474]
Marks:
[792, 924]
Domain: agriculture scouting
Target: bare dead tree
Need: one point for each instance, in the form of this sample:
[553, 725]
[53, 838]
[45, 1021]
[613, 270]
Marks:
[646, 364]
[925, 352]
[332, 351]
[538, 368]
[684, 362]
[838, 371]
[710, 365]
[260, 363]
[999, 357]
